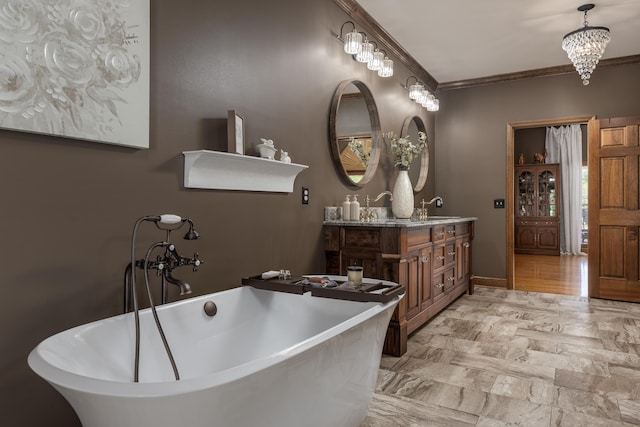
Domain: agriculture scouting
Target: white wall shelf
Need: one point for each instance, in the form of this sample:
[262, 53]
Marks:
[216, 170]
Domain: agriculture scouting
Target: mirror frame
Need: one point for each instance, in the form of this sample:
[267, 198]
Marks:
[376, 133]
[424, 158]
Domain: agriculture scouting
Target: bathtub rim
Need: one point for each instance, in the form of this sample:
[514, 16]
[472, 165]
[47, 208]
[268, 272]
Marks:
[59, 377]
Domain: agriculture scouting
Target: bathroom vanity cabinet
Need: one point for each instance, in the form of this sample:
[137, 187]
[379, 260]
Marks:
[432, 259]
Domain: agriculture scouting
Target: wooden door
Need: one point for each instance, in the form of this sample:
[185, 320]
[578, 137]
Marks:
[614, 214]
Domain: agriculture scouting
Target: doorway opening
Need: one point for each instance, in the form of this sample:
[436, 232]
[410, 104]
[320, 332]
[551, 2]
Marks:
[544, 273]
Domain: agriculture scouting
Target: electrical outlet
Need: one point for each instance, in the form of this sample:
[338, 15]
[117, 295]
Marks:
[498, 203]
[438, 203]
[305, 196]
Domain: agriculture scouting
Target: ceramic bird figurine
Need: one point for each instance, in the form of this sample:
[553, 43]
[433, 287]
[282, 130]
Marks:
[284, 156]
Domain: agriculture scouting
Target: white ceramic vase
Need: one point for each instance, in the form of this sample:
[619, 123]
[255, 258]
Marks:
[402, 203]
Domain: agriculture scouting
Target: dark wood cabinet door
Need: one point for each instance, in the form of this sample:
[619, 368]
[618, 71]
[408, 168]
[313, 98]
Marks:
[548, 238]
[411, 270]
[426, 299]
[526, 237]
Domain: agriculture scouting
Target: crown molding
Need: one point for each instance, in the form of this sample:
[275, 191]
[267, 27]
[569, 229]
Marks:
[540, 72]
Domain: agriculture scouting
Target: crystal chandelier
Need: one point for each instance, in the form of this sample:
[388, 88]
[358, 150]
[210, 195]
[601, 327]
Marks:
[586, 45]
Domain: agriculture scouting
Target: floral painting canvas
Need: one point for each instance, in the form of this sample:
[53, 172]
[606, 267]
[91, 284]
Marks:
[76, 68]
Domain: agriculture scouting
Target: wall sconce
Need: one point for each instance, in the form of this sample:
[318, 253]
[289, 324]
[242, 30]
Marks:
[365, 54]
[352, 40]
[376, 61]
[357, 44]
[419, 93]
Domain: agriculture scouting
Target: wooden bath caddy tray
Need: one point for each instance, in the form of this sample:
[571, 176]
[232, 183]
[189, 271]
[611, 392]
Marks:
[367, 292]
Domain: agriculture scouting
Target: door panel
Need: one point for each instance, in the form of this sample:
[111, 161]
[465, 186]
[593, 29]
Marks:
[611, 181]
[614, 215]
[612, 251]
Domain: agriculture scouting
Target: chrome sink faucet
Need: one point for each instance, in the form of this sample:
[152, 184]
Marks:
[381, 195]
[424, 212]
[367, 214]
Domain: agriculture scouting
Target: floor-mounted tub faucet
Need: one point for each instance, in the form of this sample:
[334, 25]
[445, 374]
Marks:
[164, 266]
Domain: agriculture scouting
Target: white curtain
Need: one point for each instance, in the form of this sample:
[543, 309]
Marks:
[564, 146]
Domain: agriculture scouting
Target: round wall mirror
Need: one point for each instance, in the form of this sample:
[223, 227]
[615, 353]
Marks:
[354, 132]
[420, 166]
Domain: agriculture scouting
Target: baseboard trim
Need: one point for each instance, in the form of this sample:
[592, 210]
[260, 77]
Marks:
[489, 282]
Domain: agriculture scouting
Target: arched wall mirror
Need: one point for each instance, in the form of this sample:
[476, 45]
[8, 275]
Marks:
[354, 132]
[420, 168]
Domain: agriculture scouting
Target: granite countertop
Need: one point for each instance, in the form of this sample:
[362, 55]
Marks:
[385, 219]
[401, 223]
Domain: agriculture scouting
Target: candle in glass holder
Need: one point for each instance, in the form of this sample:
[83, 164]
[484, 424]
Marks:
[354, 274]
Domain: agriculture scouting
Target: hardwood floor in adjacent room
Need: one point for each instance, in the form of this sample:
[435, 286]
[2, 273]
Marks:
[564, 274]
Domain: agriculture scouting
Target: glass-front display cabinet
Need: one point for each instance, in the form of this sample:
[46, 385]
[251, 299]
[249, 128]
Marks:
[537, 206]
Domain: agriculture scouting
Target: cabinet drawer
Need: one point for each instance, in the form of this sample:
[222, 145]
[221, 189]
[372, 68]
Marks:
[450, 254]
[438, 285]
[418, 237]
[361, 238]
[463, 229]
[450, 232]
[449, 279]
[439, 257]
[439, 233]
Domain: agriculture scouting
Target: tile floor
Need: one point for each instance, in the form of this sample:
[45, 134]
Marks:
[513, 358]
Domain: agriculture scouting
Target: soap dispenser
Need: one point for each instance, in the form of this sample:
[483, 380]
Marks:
[355, 209]
[346, 209]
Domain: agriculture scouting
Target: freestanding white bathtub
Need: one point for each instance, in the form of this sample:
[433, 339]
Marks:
[265, 359]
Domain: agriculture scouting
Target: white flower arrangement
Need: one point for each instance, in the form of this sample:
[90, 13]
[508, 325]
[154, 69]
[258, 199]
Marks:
[404, 150]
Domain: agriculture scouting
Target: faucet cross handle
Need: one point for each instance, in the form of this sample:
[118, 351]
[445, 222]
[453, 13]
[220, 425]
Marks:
[196, 261]
[423, 203]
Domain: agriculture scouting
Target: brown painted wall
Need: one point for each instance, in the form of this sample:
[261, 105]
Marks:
[471, 153]
[68, 207]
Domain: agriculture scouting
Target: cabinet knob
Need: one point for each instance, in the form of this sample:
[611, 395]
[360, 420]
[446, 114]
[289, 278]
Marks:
[466, 244]
[439, 257]
[440, 285]
[425, 258]
[451, 253]
[450, 278]
[451, 231]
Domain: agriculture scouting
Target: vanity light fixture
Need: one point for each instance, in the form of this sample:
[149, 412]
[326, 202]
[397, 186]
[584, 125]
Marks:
[366, 52]
[415, 90]
[357, 44]
[387, 68]
[352, 40]
[586, 45]
[419, 93]
[376, 61]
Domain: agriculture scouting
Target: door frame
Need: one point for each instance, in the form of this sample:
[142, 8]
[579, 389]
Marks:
[510, 191]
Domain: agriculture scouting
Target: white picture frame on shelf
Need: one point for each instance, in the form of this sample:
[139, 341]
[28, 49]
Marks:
[235, 132]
